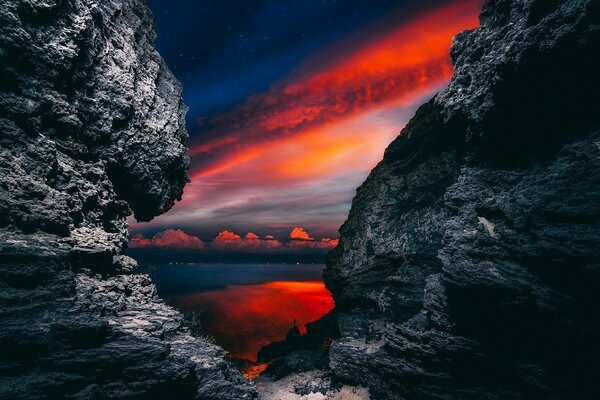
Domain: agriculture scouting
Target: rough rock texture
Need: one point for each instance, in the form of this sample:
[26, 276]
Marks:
[469, 265]
[91, 130]
[312, 385]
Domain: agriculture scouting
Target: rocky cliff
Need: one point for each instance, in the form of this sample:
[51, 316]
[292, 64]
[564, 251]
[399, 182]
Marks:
[91, 131]
[469, 265]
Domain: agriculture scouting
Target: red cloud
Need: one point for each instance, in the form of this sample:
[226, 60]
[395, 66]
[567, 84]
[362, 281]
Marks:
[391, 68]
[269, 242]
[300, 234]
[324, 244]
[170, 238]
[251, 236]
[300, 239]
[230, 241]
[226, 238]
[330, 242]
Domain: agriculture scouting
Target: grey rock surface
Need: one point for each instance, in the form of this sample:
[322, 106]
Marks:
[91, 131]
[469, 265]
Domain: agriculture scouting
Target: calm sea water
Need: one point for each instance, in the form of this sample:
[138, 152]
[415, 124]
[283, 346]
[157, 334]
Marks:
[246, 306]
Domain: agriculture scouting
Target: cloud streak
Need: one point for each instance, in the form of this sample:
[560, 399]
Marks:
[294, 154]
[390, 68]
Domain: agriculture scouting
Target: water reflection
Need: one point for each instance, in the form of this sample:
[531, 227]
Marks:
[244, 317]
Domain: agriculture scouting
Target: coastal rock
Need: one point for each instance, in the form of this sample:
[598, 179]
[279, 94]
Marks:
[468, 267]
[311, 385]
[91, 131]
[301, 352]
[297, 361]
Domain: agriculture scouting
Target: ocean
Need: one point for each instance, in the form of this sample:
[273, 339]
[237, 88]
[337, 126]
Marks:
[245, 306]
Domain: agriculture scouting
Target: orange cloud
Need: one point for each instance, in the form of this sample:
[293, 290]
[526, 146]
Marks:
[300, 239]
[226, 238]
[251, 236]
[300, 234]
[300, 245]
[170, 238]
[330, 242]
[230, 241]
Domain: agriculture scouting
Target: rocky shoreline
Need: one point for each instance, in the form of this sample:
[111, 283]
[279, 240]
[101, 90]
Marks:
[91, 131]
[468, 267]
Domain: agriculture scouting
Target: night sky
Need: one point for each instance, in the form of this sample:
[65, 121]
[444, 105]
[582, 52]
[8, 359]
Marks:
[224, 51]
[292, 103]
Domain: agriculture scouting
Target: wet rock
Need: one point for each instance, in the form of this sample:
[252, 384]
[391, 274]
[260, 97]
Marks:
[468, 266]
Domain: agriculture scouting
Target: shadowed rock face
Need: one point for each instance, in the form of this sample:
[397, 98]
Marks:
[468, 267]
[91, 130]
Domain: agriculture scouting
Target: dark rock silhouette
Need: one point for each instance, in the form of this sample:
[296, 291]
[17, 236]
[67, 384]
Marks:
[469, 265]
[297, 361]
[91, 130]
[317, 338]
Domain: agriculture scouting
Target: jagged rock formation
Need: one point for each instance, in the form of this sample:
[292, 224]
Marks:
[469, 265]
[91, 130]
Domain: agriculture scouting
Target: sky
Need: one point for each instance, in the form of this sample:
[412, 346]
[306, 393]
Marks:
[291, 104]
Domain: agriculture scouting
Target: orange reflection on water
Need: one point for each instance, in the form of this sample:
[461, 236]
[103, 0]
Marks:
[244, 318]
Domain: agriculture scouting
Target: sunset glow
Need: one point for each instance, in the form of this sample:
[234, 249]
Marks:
[244, 318]
[175, 239]
[294, 154]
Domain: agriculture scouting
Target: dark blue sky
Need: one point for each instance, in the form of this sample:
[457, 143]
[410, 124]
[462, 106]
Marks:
[224, 51]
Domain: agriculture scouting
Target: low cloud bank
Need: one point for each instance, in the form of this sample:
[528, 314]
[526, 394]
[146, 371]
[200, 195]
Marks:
[226, 241]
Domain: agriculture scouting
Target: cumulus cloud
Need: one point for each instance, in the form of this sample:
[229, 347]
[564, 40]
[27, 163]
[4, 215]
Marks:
[230, 241]
[300, 234]
[324, 244]
[170, 238]
[226, 239]
[251, 236]
[300, 240]
[269, 242]
[330, 242]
